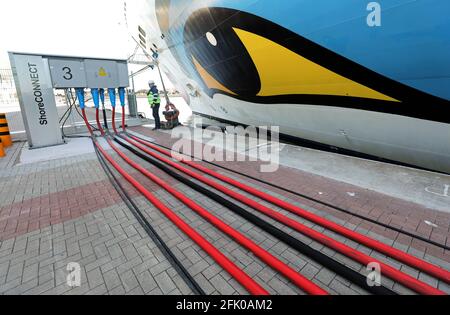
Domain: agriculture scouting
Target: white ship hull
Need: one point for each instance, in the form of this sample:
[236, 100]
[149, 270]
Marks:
[424, 143]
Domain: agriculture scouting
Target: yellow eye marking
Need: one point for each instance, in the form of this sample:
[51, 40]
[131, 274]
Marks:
[209, 79]
[283, 72]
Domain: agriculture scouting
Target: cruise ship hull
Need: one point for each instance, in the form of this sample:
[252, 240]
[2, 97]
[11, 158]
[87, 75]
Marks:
[318, 71]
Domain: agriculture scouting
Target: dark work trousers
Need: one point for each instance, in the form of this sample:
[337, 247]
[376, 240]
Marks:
[156, 116]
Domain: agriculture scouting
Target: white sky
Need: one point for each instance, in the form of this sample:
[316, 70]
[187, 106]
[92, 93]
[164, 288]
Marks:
[88, 28]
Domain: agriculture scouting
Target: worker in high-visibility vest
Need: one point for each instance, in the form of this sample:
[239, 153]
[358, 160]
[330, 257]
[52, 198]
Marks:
[155, 103]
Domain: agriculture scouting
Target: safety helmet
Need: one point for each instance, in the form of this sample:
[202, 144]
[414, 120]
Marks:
[151, 83]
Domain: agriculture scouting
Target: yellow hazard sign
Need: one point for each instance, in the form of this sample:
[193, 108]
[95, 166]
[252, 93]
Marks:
[102, 72]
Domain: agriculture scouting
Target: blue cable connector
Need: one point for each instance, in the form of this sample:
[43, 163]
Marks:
[96, 97]
[112, 97]
[80, 97]
[122, 96]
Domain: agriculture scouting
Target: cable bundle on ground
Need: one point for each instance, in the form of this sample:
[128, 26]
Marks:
[141, 147]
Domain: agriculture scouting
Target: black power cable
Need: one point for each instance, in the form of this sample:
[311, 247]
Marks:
[105, 118]
[170, 256]
[289, 240]
[65, 121]
[418, 237]
[71, 102]
[66, 112]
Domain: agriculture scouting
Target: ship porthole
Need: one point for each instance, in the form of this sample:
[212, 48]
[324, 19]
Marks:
[211, 39]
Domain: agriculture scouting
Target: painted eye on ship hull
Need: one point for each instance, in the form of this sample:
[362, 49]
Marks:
[253, 59]
[242, 55]
[219, 56]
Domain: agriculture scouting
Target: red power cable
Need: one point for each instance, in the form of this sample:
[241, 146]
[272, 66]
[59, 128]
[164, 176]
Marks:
[114, 119]
[303, 283]
[408, 259]
[238, 274]
[97, 117]
[397, 275]
[83, 112]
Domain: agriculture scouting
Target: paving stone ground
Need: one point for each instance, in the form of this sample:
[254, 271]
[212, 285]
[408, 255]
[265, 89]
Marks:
[59, 212]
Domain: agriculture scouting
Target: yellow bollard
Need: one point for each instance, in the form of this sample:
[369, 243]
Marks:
[2, 150]
[5, 135]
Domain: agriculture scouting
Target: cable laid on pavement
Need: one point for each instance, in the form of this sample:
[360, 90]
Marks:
[303, 283]
[148, 228]
[237, 273]
[401, 277]
[303, 196]
[390, 251]
[316, 255]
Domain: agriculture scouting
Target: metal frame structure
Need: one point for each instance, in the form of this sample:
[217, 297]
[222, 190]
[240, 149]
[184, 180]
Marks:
[37, 75]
